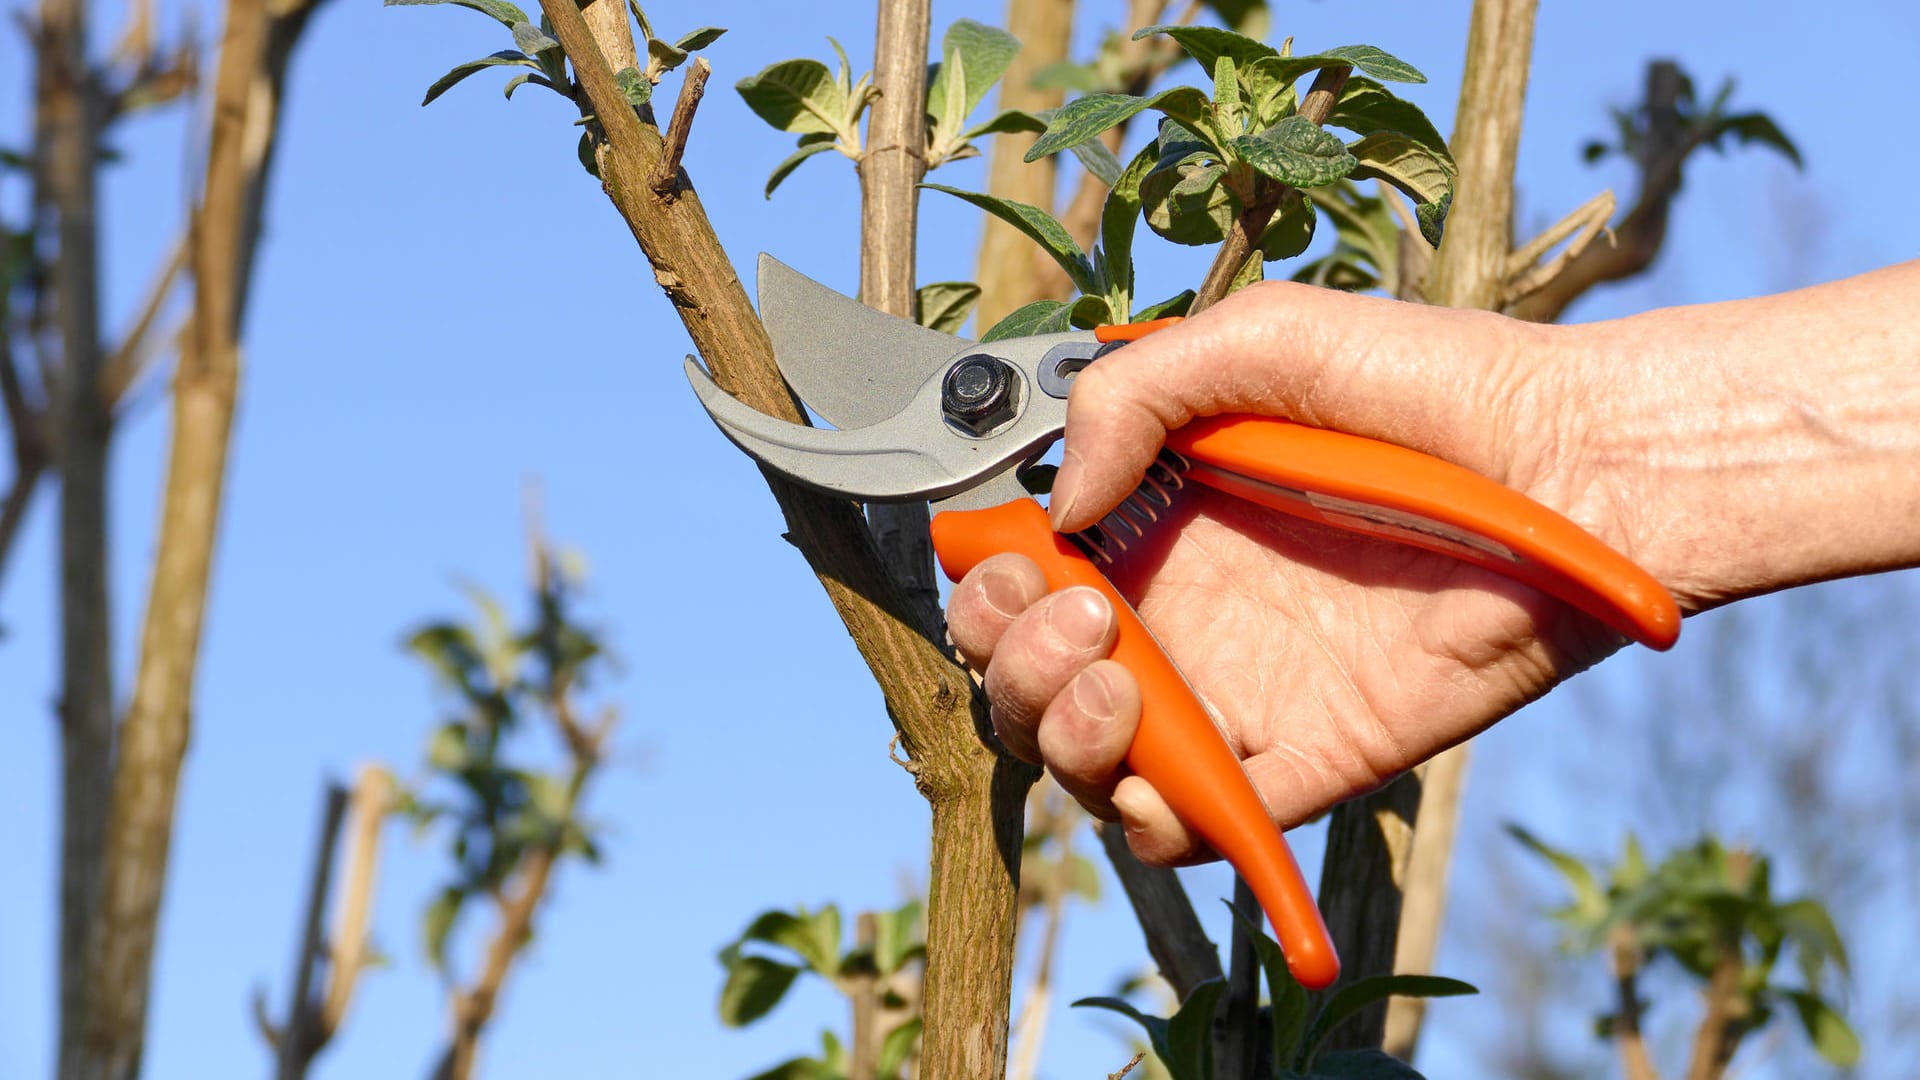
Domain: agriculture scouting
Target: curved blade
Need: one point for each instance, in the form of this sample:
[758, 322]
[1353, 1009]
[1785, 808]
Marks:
[903, 458]
[851, 364]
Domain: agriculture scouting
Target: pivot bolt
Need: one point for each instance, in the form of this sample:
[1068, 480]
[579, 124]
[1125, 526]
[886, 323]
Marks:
[978, 393]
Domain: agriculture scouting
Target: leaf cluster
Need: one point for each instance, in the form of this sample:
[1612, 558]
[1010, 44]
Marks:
[824, 107]
[497, 808]
[1297, 1021]
[1702, 906]
[1706, 123]
[778, 946]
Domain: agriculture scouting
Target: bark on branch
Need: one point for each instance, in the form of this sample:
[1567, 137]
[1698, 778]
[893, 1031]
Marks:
[975, 792]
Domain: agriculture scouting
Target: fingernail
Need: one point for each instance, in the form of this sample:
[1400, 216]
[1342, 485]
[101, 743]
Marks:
[1003, 594]
[1079, 616]
[1092, 696]
[1066, 487]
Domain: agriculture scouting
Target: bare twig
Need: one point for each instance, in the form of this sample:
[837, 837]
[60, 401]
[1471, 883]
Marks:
[347, 946]
[1624, 949]
[1423, 904]
[26, 427]
[131, 357]
[667, 177]
[1122, 1071]
[1524, 278]
[298, 1040]
[1244, 236]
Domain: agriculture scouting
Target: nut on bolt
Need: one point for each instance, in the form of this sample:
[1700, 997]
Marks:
[979, 393]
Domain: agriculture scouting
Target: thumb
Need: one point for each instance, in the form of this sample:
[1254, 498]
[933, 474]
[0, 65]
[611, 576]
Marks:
[1385, 369]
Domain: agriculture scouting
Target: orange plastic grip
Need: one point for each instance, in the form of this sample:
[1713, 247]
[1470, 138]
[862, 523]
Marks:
[1177, 749]
[1363, 485]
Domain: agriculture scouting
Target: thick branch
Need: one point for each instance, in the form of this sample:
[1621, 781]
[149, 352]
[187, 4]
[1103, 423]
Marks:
[1369, 842]
[975, 792]
[1013, 271]
[1423, 906]
[1252, 222]
[253, 56]
[68, 126]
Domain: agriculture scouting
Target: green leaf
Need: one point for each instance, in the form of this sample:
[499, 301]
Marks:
[1269, 85]
[1826, 1029]
[1366, 106]
[1358, 995]
[1378, 63]
[1155, 1026]
[844, 79]
[1039, 317]
[516, 82]
[1008, 122]
[1036, 224]
[1296, 151]
[531, 40]
[1757, 128]
[1811, 929]
[1099, 161]
[1085, 118]
[755, 984]
[951, 115]
[802, 1068]
[1087, 312]
[584, 151]
[439, 923]
[1189, 1053]
[662, 56]
[1207, 44]
[1362, 1065]
[1588, 904]
[1288, 997]
[1187, 203]
[1289, 234]
[896, 1048]
[1250, 17]
[1251, 271]
[1067, 75]
[447, 749]
[1400, 161]
[505, 57]
[1433, 218]
[501, 11]
[1119, 217]
[945, 305]
[695, 40]
[1226, 96]
[809, 146]
[1176, 304]
[800, 96]
[634, 86]
[985, 52]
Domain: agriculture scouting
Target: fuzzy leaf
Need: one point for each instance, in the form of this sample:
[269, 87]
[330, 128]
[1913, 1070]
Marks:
[896, 939]
[1186, 202]
[1119, 217]
[1156, 1027]
[985, 52]
[897, 1047]
[1038, 225]
[1207, 44]
[809, 146]
[1362, 1065]
[1039, 317]
[1400, 161]
[518, 80]
[1189, 1053]
[945, 305]
[501, 11]
[635, 87]
[1176, 304]
[755, 984]
[1289, 234]
[531, 40]
[1288, 997]
[1366, 106]
[1296, 151]
[1010, 121]
[695, 40]
[1760, 128]
[1085, 118]
[1433, 218]
[1099, 161]
[439, 923]
[1377, 62]
[505, 57]
[1588, 904]
[800, 96]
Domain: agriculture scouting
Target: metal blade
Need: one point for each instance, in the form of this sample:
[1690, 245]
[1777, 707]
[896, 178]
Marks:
[851, 364]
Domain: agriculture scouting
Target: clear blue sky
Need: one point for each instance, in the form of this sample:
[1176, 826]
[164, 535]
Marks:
[430, 332]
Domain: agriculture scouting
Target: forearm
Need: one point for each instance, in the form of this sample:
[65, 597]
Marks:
[1759, 444]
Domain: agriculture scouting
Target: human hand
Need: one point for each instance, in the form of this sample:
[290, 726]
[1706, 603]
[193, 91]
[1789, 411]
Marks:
[1335, 661]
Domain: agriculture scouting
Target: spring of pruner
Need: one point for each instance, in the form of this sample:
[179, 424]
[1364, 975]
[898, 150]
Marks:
[1105, 539]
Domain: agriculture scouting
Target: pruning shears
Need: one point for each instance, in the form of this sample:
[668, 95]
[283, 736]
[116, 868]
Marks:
[920, 415]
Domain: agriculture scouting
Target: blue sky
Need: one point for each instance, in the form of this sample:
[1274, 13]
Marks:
[430, 334]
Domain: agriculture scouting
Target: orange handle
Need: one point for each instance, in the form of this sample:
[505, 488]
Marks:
[1177, 749]
[1366, 486]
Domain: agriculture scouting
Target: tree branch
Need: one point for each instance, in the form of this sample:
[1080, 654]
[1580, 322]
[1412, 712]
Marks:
[1012, 269]
[1252, 221]
[1175, 940]
[1624, 949]
[692, 88]
[1369, 841]
[131, 357]
[298, 1039]
[1423, 905]
[975, 791]
[347, 952]
[26, 427]
[1639, 236]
